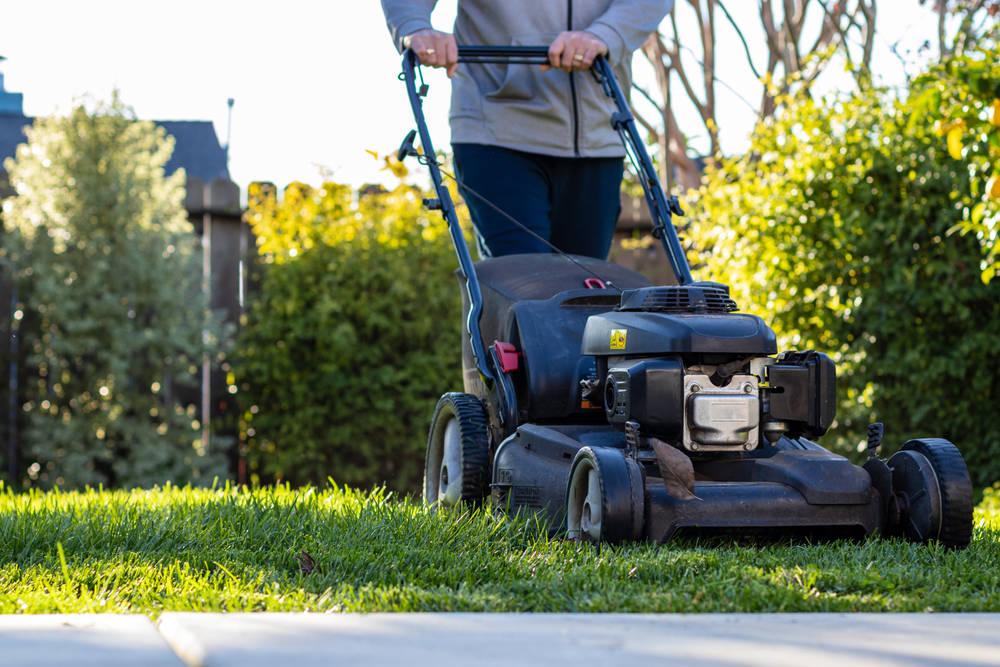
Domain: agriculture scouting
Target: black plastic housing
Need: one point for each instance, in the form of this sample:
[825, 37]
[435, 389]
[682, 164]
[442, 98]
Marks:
[531, 467]
[703, 297]
[647, 391]
[539, 304]
[804, 392]
[654, 333]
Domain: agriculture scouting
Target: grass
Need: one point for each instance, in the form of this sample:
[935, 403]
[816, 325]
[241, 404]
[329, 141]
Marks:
[235, 550]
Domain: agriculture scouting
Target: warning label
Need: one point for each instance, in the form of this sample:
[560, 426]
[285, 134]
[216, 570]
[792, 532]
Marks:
[618, 339]
[528, 496]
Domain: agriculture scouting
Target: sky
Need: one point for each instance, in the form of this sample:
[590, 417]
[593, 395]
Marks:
[315, 83]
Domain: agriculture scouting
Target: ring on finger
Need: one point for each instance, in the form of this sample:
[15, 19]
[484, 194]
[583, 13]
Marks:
[578, 58]
[429, 52]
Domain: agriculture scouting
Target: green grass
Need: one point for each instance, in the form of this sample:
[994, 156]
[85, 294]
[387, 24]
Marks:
[232, 550]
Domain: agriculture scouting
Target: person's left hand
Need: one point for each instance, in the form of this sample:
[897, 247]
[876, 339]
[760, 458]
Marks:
[575, 50]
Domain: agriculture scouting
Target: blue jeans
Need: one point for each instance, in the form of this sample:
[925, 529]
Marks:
[573, 203]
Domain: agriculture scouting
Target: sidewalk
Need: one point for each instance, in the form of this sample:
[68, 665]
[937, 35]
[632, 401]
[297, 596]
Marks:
[83, 640]
[443, 640]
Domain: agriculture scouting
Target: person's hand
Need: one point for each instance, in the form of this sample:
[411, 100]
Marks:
[434, 48]
[575, 50]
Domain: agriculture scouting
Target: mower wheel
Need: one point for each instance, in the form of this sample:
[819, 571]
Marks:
[457, 465]
[956, 489]
[917, 495]
[605, 498]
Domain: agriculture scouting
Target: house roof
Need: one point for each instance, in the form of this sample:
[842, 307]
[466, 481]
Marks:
[196, 149]
[11, 134]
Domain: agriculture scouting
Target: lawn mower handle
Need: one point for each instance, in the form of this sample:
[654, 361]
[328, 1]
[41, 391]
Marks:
[447, 207]
[624, 123]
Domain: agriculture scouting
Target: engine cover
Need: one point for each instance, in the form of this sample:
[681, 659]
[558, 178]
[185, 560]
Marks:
[803, 392]
[647, 391]
[721, 418]
[655, 333]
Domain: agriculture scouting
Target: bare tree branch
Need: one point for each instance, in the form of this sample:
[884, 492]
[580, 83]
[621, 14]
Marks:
[968, 31]
[833, 18]
[678, 66]
[831, 25]
[654, 134]
[767, 19]
[739, 32]
[688, 170]
[656, 51]
[869, 10]
[943, 50]
[802, 59]
[965, 31]
[694, 57]
[706, 25]
[794, 17]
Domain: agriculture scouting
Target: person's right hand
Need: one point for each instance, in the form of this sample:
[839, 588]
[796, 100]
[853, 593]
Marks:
[435, 49]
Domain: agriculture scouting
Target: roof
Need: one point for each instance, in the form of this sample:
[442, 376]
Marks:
[12, 134]
[197, 147]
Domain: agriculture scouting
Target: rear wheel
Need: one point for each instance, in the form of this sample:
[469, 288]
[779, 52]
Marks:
[457, 467]
[955, 488]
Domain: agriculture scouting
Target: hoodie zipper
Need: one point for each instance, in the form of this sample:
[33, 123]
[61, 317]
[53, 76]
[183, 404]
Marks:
[572, 88]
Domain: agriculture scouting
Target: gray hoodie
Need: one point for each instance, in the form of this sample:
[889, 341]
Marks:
[519, 106]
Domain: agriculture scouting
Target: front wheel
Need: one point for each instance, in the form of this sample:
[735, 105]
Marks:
[955, 489]
[457, 466]
[605, 498]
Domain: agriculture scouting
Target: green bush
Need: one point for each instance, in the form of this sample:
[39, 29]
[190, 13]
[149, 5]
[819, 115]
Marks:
[109, 272]
[352, 338]
[962, 96]
[834, 228]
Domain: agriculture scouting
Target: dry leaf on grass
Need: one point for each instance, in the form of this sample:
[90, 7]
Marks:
[676, 469]
[307, 565]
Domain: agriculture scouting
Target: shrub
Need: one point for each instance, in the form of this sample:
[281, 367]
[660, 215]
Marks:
[352, 338]
[834, 228]
[962, 96]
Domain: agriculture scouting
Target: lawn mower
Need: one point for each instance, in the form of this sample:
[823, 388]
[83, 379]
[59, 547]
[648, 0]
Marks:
[615, 410]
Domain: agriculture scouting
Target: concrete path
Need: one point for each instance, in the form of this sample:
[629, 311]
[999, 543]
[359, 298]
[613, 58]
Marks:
[529, 640]
[525, 640]
[83, 640]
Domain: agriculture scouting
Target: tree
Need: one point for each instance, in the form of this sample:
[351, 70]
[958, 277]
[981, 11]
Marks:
[352, 338]
[795, 60]
[114, 314]
[975, 20]
[834, 228]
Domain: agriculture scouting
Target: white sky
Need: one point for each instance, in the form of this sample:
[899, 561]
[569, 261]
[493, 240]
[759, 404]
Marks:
[315, 82]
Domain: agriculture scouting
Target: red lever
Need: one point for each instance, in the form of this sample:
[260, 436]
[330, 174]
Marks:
[506, 355]
[594, 283]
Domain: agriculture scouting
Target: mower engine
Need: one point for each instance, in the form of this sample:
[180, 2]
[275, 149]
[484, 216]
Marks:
[679, 365]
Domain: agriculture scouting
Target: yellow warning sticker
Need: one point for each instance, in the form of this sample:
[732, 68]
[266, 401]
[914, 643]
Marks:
[618, 339]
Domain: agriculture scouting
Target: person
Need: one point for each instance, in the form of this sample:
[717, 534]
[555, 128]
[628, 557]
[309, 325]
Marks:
[537, 142]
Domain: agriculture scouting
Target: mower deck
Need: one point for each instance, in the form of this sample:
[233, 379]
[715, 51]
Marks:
[755, 505]
[795, 484]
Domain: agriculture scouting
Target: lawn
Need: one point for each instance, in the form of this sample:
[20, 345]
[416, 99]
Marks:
[238, 550]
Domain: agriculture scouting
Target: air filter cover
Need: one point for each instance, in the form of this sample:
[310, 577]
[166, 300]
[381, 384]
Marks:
[700, 297]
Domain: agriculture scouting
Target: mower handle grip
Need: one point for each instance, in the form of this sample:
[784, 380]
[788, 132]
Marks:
[504, 55]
